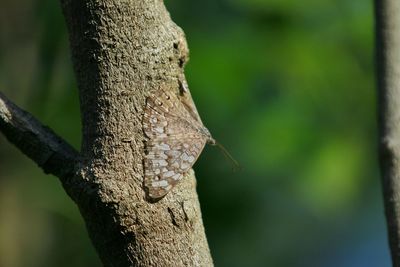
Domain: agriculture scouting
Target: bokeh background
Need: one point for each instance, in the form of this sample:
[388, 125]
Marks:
[287, 86]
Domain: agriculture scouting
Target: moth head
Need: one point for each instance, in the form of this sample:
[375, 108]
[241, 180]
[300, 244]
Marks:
[211, 141]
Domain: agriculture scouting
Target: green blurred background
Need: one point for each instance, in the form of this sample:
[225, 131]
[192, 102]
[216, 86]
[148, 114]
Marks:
[287, 86]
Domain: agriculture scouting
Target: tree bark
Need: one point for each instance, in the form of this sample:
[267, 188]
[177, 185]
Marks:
[121, 50]
[387, 14]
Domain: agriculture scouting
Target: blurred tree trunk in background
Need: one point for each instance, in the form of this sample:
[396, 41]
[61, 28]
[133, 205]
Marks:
[387, 13]
[120, 50]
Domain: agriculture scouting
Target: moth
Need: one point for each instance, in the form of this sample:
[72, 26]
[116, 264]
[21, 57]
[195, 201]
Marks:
[175, 138]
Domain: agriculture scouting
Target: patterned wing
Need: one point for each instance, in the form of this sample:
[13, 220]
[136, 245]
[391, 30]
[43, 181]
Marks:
[174, 142]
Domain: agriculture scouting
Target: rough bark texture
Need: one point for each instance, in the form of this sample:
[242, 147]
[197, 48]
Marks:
[387, 13]
[121, 50]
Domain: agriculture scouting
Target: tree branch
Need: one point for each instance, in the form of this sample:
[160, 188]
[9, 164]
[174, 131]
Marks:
[387, 14]
[36, 141]
[121, 50]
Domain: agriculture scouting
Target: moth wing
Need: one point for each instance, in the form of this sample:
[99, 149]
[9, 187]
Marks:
[174, 142]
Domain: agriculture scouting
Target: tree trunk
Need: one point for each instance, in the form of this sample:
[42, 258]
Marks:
[387, 13]
[121, 50]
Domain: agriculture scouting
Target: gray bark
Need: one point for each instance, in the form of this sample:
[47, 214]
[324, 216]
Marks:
[387, 13]
[120, 50]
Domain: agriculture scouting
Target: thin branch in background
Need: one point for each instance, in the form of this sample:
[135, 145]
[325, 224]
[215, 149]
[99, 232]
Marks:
[387, 14]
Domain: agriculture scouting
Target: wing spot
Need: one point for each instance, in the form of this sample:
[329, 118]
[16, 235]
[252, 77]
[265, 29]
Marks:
[161, 183]
[163, 146]
[163, 156]
[173, 153]
[191, 159]
[159, 129]
[159, 163]
[185, 166]
[169, 174]
[185, 157]
[175, 164]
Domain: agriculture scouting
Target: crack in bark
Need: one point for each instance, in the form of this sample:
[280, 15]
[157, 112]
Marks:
[173, 219]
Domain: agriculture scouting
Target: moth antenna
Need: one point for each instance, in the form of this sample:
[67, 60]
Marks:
[236, 165]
